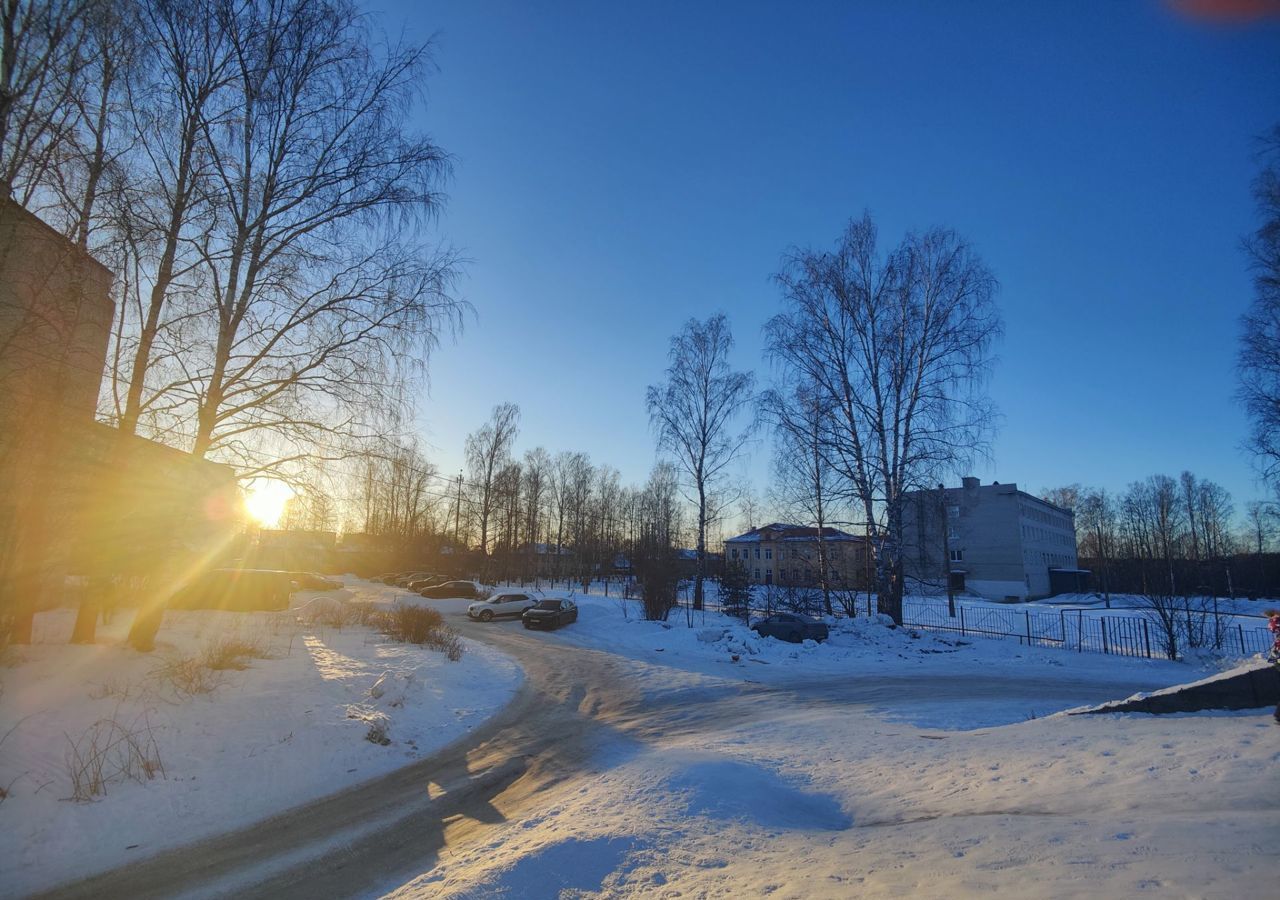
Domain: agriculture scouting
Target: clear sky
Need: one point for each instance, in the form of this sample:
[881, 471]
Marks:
[622, 167]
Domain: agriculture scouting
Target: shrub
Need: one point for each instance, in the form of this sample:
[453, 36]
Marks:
[419, 625]
[231, 651]
[735, 591]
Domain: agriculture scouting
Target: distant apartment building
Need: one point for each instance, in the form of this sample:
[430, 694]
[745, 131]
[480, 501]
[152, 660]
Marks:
[789, 555]
[993, 540]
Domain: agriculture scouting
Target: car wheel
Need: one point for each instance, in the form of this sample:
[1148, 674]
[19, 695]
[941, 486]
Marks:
[486, 615]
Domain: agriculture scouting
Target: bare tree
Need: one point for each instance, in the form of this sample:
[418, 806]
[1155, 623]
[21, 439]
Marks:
[798, 417]
[1258, 364]
[537, 475]
[488, 453]
[1096, 519]
[321, 296]
[899, 345]
[693, 412]
[42, 60]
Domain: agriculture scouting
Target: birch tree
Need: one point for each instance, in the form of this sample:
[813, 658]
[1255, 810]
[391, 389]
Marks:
[693, 413]
[488, 454]
[799, 418]
[1258, 364]
[899, 345]
[321, 293]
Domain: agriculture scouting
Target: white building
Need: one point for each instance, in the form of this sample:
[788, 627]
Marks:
[999, 542]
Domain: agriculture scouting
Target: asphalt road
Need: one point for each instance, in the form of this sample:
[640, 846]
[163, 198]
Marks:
[376, 836]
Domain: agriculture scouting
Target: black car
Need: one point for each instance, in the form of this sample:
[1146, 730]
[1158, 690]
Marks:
[404, 578]
[310, 581]
[237, 589]
[549, 614]
[455, 590]
[791, 627]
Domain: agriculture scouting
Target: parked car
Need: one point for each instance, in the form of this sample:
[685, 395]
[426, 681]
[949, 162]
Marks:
[237, 589]
[386, 577]
[456, 590]
[791, 627]
[404, 578]
[549, 614]
[310, 581]
[429, 581]
[500, 605]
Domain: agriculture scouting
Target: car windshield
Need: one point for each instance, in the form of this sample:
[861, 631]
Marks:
[553, 605]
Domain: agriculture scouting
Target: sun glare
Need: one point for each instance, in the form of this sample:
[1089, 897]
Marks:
[265, 499]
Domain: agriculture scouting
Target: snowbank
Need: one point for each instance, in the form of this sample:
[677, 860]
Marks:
[325, 709]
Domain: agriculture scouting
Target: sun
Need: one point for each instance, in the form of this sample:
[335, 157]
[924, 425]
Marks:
[265, 500]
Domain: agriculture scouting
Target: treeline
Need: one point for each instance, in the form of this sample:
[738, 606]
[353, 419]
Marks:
[1172, 536]
[509, 517]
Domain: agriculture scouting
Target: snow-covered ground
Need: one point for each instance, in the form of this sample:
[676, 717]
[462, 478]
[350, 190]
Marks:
[902, 795]
[286, 729]
[883, 762]
[863, 646]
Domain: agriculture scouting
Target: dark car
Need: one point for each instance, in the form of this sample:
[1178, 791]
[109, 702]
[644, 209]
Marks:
[403, 579]
[237, 589]
[427, 581]
[310, 581]
[455, 590]
[791, 627]
[549, 614]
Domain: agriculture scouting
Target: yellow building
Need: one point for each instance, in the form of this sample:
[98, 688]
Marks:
[789, 555]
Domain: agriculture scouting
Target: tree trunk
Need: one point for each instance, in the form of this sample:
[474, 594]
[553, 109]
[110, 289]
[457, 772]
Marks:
[702, 546]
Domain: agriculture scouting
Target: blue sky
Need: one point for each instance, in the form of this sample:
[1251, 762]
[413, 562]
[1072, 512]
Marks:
[620, 168]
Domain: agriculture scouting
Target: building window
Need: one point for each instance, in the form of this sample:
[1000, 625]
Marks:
[768, 553]
[957, 556]
[757, 557]
[735, 553]
[953, 512]
[757, 574]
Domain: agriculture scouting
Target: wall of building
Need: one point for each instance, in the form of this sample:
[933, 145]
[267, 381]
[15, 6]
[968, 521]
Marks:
[794, 561]
[1003, 540]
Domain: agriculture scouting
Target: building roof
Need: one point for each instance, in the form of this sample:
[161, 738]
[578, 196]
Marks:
[782, 531]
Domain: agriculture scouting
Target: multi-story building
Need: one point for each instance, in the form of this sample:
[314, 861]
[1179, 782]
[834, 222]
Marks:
[789, 555]
[998, 542]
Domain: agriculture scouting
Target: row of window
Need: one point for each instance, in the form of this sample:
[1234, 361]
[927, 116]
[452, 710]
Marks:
[1055, 519]
[1044, 535]
[1049, 559]
[795, 574]
[796, 553]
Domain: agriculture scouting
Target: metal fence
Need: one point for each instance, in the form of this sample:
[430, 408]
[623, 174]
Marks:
[1074, 629]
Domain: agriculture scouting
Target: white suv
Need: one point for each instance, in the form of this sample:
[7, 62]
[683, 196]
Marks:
[503, 603]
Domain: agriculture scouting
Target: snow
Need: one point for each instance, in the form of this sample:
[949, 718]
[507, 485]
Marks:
[975, 790]
[882, 762]
[285, 730]
[859, 646]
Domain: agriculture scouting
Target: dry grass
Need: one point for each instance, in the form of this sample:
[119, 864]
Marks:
[109, 752]
[232, 651]
[185, 676]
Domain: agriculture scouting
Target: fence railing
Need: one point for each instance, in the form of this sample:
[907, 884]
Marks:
[1072, 629]
[1075, 629]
